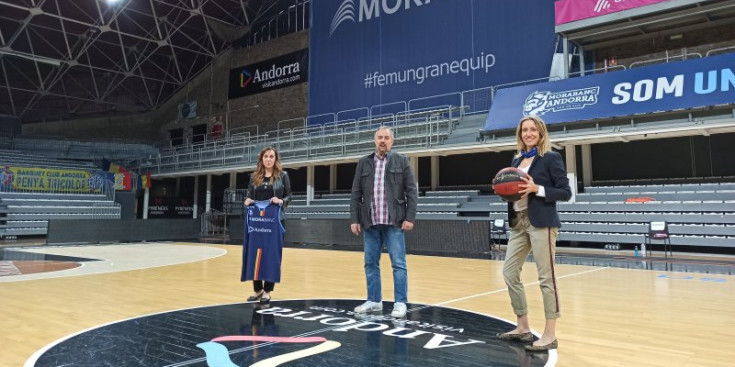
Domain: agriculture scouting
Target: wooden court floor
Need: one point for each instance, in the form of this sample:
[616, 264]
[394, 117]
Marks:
[610, 316]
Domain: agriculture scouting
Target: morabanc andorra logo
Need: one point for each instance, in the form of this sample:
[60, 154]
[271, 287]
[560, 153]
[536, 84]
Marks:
[541, 102]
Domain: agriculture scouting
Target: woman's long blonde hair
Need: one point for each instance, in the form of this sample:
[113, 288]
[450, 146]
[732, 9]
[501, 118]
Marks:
[544, 144]
[259, 174]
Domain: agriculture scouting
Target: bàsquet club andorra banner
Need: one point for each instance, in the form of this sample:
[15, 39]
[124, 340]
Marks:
[51, 180]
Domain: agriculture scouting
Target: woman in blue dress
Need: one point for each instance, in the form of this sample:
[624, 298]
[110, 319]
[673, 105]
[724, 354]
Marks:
[269, 186]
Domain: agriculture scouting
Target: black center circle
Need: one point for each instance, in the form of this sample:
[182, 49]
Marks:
[323, 332]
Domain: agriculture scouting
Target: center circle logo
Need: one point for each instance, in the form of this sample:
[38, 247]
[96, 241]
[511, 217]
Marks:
[322, 332]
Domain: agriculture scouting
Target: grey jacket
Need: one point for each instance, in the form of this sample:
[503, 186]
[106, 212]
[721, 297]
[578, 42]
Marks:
[401, 191]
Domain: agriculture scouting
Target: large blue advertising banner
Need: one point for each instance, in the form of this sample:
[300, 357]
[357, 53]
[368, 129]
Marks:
[666, 87]
[366, 53]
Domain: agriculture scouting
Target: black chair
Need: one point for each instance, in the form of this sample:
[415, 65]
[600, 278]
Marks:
[659, 231]
[497, 229]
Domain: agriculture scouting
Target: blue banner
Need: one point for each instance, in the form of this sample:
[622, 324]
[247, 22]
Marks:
[665, 87]
[366, 53]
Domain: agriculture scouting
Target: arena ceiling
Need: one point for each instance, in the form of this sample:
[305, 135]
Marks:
[62, 59]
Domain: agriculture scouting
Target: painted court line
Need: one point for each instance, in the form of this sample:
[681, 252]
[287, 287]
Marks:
[505, 289]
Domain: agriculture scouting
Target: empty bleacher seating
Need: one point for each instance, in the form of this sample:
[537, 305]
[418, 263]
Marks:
[61, 148]
[28, 213]
[597, 216]
[18, 158]
[433, 205]
[699, 214]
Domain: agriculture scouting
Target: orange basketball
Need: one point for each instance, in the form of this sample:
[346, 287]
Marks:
[506, 183]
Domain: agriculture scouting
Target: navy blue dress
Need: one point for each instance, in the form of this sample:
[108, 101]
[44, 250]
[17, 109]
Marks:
[263, 242]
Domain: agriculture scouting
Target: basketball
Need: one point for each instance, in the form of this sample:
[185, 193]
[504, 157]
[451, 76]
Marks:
[506, 183]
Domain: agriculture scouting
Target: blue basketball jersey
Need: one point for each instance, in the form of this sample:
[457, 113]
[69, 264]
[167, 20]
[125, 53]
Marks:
[263, 242]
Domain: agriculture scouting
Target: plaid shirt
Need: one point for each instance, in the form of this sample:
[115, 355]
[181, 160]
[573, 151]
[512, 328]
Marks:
[379, 204]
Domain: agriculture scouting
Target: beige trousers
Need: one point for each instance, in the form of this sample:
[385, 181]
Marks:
[525, 238]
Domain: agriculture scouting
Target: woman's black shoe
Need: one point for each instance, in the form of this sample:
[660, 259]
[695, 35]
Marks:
[256, 297]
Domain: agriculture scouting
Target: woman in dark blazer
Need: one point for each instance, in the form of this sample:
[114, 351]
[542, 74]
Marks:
[534, 224]
[269, 182]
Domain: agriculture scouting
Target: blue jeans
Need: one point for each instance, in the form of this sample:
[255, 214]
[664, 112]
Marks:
[374, 238]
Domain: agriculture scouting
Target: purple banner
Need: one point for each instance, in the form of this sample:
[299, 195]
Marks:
[572, 10]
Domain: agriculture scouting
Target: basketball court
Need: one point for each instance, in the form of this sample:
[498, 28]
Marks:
[181, 304]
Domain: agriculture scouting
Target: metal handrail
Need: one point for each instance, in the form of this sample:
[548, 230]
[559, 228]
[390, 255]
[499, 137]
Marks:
[213, 223]
[425, 127]
[372, 114]
[237, 131]
[718, 50]
[471, 109]
[278, 124]
[459, 101]
[665, 59]
[593, 71]
[334, 116]
[106, 211]
[523, 82]
[339, 137]
[367, 110]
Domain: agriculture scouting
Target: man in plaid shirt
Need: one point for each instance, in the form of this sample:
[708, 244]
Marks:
[383, 204]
